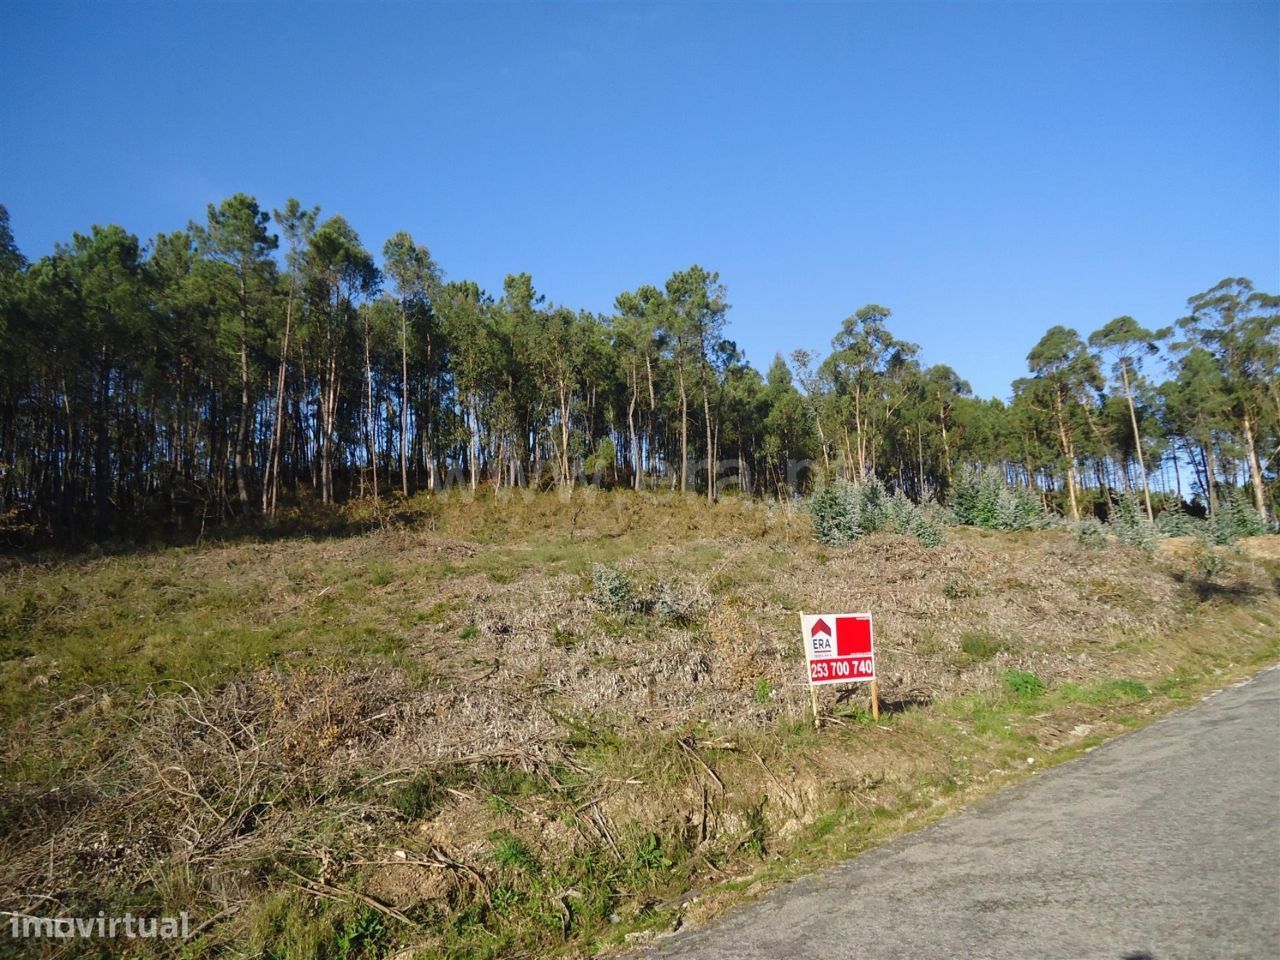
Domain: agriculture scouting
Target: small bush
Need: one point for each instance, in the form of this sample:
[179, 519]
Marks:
[835, 519]
[1235, 518]
[1023, 684]
[1089, 533]
[843, 511]
[611, 589]
[1209, 564]
[1176, 522]
[984, 498]
[1131, 526]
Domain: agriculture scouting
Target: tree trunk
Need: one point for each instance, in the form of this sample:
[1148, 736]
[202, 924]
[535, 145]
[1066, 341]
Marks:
[1137, 440]
[1255, 468]
[404, 402]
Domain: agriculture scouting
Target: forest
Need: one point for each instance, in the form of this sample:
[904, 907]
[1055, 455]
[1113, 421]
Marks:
[261, 358]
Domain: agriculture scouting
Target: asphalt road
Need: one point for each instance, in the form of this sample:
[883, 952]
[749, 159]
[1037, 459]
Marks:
[1162, 844]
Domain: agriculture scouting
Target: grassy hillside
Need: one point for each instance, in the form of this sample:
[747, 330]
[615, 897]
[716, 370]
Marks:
[525, 726]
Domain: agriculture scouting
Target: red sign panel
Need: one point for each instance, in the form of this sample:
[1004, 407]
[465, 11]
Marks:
[848, 657]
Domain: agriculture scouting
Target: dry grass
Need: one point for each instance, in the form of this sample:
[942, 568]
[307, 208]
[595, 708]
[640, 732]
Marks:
[434, 729]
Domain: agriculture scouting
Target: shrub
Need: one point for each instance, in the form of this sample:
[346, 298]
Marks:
[835, 519]
[611, 589]
[843, 511]
[984, 498]
[1131, 527]
[1089, 533]
[1209, 564]
[1176, 522]
[904, 517]
[1235, 518]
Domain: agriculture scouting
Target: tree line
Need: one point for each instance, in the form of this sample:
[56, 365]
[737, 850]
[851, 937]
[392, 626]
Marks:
[257, 358]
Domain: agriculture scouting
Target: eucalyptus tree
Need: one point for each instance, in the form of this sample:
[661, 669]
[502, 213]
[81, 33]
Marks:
[235, 237]
[945, 387]
[1128, 344]
[416, 278]
[787, 428]
[812, 383]
[695, 318]
[1063, 372]
[637, 344]
[465, 313]
[1240, 326]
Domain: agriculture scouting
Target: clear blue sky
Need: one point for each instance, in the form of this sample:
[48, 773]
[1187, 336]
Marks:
[984, 170]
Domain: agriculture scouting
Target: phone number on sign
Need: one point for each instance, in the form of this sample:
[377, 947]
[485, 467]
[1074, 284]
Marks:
[861, 668]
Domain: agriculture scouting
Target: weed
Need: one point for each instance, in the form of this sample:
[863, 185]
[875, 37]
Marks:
[1023, 684]
[426, 792]
[1123, 689]
[363, 936]
[469, 632]
[763, 690]
[980, 646]
[647, 856]
[512, 853]
[380, 573]
[757, 825]
[956, 588]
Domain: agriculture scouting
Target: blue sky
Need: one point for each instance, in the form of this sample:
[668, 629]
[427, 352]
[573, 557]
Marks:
[985, 170]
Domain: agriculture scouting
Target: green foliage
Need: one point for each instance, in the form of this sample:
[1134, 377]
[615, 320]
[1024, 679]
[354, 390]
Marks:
[1130, 525]
[362, 937]
[834, 511]
[844, 510]
[1023, 684]
[1176, 522]
[648, 857]
[959, 588]
[611, 589]
[757, 825]
[763, 690]
[1234, 519]
[984, 498]
[512, 853]
[980, 646]
[1209, 564]
[426, 791]
[1091, 533]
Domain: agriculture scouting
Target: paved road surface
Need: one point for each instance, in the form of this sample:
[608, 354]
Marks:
[1163, 844]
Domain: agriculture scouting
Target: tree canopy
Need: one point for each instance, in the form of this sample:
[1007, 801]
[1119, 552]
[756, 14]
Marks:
[255, 359]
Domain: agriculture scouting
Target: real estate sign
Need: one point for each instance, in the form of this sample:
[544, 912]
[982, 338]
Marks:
[840, 647]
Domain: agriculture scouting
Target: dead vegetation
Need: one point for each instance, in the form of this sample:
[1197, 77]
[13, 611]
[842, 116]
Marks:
[441, 734]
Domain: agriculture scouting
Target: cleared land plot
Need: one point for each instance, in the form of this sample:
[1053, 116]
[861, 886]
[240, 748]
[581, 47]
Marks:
[493, 728]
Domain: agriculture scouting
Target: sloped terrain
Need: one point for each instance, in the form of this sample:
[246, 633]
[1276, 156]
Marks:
[497, 727]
